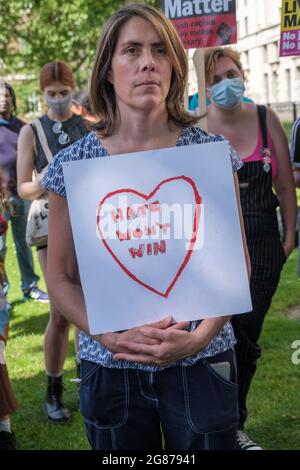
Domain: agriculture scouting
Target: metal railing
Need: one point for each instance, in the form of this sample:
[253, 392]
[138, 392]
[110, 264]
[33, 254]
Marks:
[287, 110]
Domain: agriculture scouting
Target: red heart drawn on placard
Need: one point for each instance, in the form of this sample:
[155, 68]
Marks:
[119, 250]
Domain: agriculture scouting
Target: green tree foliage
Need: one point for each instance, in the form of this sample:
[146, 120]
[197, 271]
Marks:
[34, 32]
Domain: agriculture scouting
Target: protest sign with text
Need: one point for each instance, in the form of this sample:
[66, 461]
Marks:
[290, 28]
[157, 233]
[203, 23]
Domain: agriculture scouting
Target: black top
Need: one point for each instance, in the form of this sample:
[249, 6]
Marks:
[9, 135]
[258, 200]
[74, 127]
[295, 144]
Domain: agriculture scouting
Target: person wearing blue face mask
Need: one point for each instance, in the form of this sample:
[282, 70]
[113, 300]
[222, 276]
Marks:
[194, 103]
[258, 136]
[228, 93]
[58, 128]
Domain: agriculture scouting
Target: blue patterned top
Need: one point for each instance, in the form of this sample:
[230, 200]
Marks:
[90, 147]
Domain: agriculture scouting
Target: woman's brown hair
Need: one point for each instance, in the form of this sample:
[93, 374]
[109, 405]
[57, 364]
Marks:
[213, 54]
[102, 94]
[56, 71]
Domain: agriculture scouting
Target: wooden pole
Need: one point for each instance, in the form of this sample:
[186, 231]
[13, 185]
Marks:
[186, 91]
[198, 60]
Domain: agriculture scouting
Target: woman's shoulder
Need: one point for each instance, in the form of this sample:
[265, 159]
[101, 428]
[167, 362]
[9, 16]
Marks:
[86, 147]
[296, 123]
[26, 133]
[196, 135]
[77, 118]
[77, 121]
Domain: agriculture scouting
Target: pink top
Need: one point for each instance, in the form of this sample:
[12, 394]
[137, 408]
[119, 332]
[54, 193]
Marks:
[257, 155]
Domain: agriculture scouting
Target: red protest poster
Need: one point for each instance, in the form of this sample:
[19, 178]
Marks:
[203, 23]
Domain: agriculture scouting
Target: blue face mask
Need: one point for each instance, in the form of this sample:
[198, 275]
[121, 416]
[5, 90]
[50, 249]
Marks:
[228, 93]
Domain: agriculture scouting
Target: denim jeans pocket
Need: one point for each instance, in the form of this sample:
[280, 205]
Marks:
[230, 359]
[87, 368]
[211, 401]
[104, 395]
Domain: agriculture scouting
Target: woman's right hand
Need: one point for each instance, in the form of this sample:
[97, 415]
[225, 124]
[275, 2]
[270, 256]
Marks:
[111, 340]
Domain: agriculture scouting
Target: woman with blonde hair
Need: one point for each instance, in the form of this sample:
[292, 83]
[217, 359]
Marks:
[257, 135]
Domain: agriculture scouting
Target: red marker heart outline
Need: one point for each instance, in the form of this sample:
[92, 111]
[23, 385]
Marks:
[147, 197]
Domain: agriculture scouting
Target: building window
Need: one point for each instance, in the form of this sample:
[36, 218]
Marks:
[273, 53]
[245, 59]
[274, 86]
[288, 85]
[246, 25]
[265, 54]
[266, 83]
[276, 50]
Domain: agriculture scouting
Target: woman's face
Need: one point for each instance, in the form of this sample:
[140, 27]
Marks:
[57, 90]
[58, 97]
[140, 68]
[225, 68]
[6, 103]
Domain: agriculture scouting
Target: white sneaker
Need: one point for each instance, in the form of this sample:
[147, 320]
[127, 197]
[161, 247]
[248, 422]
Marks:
[244, 442]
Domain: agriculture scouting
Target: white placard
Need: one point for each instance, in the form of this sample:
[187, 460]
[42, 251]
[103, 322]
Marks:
[157, 233]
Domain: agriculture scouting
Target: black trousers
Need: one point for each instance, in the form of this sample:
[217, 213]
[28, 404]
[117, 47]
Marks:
[267, 258]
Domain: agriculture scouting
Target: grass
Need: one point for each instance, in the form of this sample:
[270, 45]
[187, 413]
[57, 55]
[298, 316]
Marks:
[25, 363]
[274, 407]
[288, 125]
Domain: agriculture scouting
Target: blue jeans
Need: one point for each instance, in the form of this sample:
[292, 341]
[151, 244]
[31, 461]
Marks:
[193, 407]
[18, 220]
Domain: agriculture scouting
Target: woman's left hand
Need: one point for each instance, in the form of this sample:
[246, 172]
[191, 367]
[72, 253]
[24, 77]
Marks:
[175, 344]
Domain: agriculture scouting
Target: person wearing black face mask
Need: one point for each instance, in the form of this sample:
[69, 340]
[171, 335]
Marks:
[258, 137]
[60, 128]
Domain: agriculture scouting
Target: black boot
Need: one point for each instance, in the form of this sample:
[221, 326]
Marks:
[53, 406]
[7, 441]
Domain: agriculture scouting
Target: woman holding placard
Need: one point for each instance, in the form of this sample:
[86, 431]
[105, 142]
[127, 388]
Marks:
[161, 375]
[257, 135]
